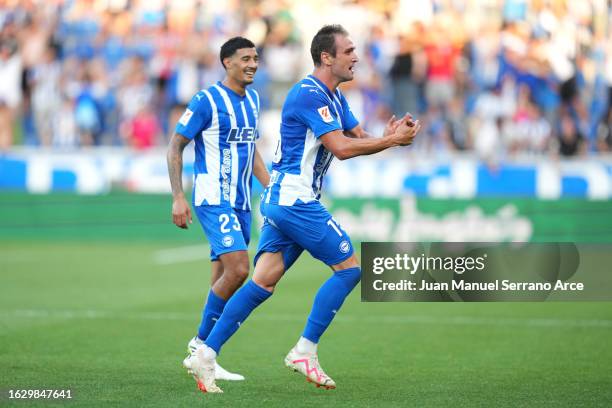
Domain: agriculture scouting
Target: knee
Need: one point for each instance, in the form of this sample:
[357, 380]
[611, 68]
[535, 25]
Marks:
[238, 272]
[264, 283]
[269, 270]
[350, 276]
[267, 279]
[349, 263]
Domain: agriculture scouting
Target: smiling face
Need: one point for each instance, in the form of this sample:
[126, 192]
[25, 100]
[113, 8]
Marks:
[343, 63]
[242, 65]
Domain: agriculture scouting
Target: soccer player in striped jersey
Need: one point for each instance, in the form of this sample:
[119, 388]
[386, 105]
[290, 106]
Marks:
[317, 125]
[222, 121]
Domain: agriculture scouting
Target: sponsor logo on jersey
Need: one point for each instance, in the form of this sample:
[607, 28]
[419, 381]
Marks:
[345, 247]
[184, 120]
[242, 135]
[225, 171]
[323, 161]
[320, 167]
[325, 114]
[227, 241]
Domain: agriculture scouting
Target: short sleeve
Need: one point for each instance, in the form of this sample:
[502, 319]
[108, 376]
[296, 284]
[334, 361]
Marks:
[196, 118]
[315, 110]
[350, 121]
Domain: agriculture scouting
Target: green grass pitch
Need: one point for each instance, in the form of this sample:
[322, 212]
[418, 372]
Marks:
[111, 322]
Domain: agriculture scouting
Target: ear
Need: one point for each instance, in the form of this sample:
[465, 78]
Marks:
[226, 62]
[326, 58]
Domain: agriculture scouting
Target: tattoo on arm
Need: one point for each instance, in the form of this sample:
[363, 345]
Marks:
[174, 158]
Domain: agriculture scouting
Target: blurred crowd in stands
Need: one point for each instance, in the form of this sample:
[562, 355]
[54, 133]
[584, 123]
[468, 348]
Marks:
[498, 78]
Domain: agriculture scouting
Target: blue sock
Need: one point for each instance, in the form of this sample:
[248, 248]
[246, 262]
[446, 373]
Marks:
[210, 314]
[328, 301]
[238, 308]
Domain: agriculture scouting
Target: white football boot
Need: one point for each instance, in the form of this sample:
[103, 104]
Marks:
[308, 364]
[202, 367]
[220, 372]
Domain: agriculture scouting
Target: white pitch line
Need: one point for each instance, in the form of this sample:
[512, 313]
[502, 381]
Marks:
[433, 320]
[181, 254]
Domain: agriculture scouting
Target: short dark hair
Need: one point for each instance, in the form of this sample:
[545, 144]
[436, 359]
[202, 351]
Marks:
[232, 45]
[325, 41]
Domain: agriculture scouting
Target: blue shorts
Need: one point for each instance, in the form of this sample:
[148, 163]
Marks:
[227, 229]
[309, 226]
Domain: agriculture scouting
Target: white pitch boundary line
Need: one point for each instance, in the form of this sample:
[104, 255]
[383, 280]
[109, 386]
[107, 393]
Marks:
[181, 254]
[433, 320]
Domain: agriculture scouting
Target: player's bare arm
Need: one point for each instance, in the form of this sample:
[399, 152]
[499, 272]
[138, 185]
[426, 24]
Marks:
[343, 147]
[260, 170]
[360, 133]
[181, 212]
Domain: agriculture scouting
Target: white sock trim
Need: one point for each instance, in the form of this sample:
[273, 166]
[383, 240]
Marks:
[305, 346]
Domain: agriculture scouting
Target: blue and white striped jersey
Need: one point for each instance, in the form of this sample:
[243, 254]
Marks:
[301, 161]
[224, 127]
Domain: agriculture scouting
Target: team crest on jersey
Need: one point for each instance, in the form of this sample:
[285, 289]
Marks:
[325, 114]
[242, 135]
[228, 241]
[184, 120]
[345, 247]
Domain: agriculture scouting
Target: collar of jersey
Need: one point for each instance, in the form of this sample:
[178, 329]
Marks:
[231, 91]
[318, 81]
